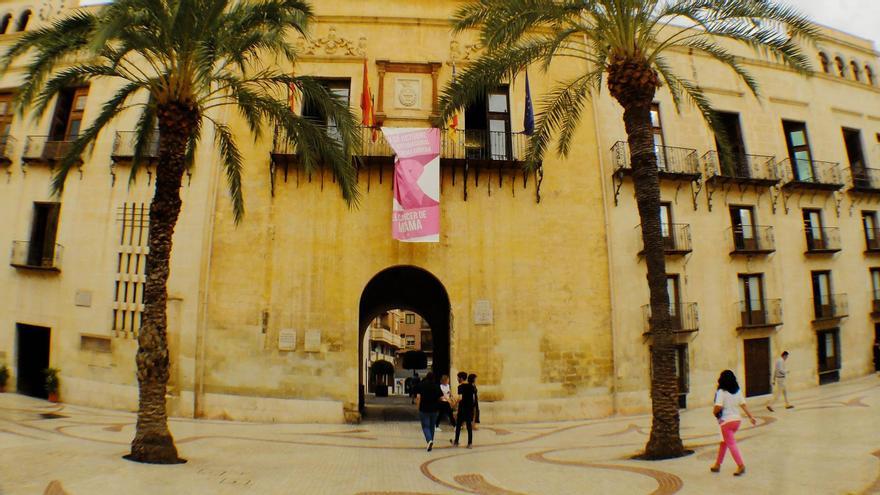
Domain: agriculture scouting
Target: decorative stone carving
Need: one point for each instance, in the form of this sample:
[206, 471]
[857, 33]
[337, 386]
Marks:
[459, 53]
[333, 45]
[50, 9]
[408, 93]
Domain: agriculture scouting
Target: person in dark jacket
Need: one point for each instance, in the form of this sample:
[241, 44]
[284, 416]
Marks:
[466, 404]
[428, 401]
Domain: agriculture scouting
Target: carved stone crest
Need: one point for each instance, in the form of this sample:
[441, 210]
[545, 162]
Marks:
[408, 93]
[333, 45]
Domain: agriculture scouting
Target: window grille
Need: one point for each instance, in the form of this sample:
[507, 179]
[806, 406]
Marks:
[128, 304]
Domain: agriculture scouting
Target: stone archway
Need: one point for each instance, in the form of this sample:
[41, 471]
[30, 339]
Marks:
[409, 288]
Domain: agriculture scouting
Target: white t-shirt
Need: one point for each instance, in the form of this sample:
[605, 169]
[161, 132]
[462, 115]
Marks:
[445, 389]
[730, 404]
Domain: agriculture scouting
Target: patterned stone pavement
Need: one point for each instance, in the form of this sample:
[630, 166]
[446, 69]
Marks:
[828, 444]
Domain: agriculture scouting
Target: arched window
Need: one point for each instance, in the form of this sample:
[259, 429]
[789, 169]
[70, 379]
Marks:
[869, 75]
[4, 24]
[841, 67]
[23, 20]
[823, 60]
[857, 72]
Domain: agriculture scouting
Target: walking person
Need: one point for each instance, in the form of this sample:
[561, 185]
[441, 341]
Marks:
[445, 402]
[779, 375]
[428, 402]
[413, 387]
[728, 401]
[466, 404]
[472, 379]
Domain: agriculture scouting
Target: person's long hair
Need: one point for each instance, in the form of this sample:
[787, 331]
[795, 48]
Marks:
[727, 381]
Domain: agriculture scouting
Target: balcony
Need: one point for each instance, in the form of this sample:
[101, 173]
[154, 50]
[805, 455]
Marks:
[757, 170]
[30, 256]
[123, 146]
[810, 175]
[865, 180]
[830, 307]
[759, 314]
[684, 318]
[751, 240]
[383, 335]
[44, 149]
[673, 164]
[822, 240]
[676, 239]
[7, 143]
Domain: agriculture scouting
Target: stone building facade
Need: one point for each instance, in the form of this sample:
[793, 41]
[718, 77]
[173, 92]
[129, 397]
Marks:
[530, 286]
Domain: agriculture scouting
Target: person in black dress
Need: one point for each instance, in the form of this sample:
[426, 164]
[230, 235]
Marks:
[466, 403]
[472, 379]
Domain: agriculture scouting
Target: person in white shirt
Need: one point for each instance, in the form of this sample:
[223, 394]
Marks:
[779, 375]
[445, 402]
[728, 401]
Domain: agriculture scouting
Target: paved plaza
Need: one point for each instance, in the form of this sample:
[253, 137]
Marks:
[828, 444]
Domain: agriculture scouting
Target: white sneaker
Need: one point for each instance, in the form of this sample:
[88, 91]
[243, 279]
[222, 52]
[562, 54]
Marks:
[437, 428]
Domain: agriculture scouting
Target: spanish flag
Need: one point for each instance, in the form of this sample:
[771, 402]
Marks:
[452, 124]
[369, 117]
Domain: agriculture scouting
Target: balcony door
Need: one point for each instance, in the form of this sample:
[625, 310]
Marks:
[341, 90]
[822, 302]
[666, 229]
[659, 142]
[875, 290]
[5, 116]
[732, 157]
[41, 250]
[869, 220]
[813, 230]
[742, 218]
[487, 123]
[751, 296]
[799, 151]
[852, 139]
[673, 291]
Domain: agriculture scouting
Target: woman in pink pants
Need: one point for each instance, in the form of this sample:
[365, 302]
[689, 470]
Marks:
[728, 401]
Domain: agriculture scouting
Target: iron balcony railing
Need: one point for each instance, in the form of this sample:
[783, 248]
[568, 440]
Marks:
[810, 174]
[676, 238]
[7, 143]
[830, 307]
[124, 142]
[455, 144]
[752, 239]
[757, 313]
[44, 148]
[383, 335]
[684, 317]
[865, 179]
[745, 168]
[671, 161]
[822, 239]
[36, 256]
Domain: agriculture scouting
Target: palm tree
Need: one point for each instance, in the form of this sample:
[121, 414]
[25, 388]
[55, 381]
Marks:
[626, 44]
[176, 63]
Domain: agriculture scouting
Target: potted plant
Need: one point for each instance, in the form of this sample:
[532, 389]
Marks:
[4, 376]
[51, 383]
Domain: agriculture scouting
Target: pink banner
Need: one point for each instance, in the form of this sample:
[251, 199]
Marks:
[416, 207]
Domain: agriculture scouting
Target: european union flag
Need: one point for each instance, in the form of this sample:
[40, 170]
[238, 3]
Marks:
[529, 117]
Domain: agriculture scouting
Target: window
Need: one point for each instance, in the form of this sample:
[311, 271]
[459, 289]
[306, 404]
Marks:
[869, 221]
[659, 142]
[23, 20]
[68, 115]
[828, 344]
[742, 219]
[733, 156]
[410, 341]
[44, 228]
[869, 75]
[857, 73]
[666, 225]
[824, 62]
[751, 297]
[875, 288]
[341, 89]
[841, 67]
[681, 374]
[822, 299]
[852, 139]
[799, 150]
[487, 122]
[4, 24]
[128, 296]
[813, 230]
[410, 318]
[673, 291]
[5, 115]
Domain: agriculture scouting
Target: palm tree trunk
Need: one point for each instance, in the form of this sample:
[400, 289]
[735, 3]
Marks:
[153, 442]
[665, 441]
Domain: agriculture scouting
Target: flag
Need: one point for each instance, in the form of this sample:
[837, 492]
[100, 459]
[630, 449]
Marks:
[529, 117]
[368, 118]
[452, 124]
[291, 94]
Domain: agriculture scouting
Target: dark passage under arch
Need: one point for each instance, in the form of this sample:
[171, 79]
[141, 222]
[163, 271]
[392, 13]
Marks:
[409, 288]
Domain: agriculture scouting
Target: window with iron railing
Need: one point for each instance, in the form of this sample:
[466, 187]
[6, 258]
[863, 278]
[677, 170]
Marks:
[131, 261]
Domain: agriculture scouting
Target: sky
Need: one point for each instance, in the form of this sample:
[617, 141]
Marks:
[858, 17]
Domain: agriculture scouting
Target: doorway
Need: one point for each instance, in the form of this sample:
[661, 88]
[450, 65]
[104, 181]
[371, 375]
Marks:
[757, 360]
[411, 296]
[33, 358]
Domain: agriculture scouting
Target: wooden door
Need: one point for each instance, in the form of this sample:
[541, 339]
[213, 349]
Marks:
[743, 220]
[757, 359]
